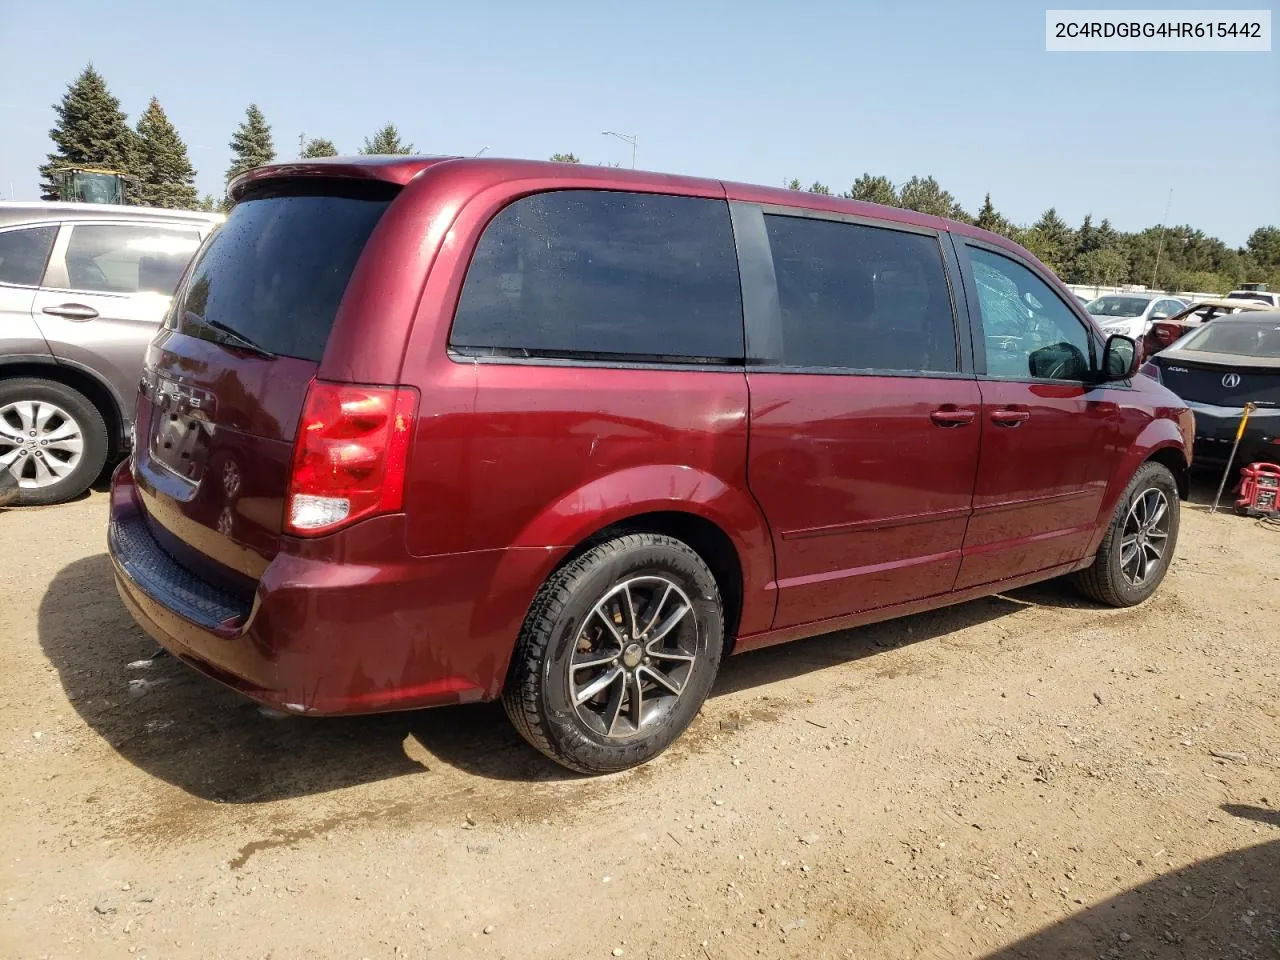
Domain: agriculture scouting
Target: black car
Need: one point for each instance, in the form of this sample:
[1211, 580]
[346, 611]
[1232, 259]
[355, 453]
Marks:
[1217, 369]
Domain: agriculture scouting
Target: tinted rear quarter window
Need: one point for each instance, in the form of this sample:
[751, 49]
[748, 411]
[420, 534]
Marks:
[861, 297]
[276, 271]
[580, 273]
[24, 253]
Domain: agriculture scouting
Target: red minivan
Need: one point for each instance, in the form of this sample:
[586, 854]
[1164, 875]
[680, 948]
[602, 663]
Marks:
[423, 431]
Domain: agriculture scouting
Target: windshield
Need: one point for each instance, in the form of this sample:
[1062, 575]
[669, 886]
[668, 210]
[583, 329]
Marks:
[1118, 306]
[1260, 338]
[276, 271]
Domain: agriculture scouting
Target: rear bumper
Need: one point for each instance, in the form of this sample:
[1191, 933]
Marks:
[344, 624]
[1216, 432]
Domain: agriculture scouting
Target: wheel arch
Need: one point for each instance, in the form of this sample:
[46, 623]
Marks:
[1175, 460]
[704, 536]
[721, 521]
[95, 390]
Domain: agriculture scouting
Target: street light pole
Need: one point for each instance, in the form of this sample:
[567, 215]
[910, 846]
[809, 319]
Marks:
[625, 138]
[482, 150]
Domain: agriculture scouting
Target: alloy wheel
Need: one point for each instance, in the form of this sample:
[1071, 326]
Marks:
[40, 443]
[1145, 536]
[633, 657]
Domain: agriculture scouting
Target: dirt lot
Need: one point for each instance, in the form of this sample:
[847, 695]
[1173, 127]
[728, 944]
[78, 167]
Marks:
[1026, 776]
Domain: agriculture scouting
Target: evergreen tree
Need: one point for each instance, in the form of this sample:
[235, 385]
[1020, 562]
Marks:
[1108, 237]
[924, 195]
[251, 144]
[793, 184]
[1052, 241]
[92, 131]
[874, 190]
[990, 219]
[565, 158]
[165, 177]
[1087, 237]
[820, 188]
[319, 147]
[209, 203]
[386, 141]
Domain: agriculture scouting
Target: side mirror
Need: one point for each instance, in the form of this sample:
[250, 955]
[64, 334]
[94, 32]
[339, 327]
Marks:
[1159, 316]
[1119, 358]
[1058, 361]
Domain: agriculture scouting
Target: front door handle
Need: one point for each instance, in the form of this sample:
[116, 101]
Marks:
[72, 311]
[951, 417]
[1009, 417]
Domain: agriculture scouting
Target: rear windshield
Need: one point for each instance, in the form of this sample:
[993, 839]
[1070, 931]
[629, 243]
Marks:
[1250, 295]
[1246, 339]
[276, 271]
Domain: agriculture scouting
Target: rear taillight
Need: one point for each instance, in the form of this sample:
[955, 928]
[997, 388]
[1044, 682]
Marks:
[1151, 369]
[1166, 333]
[350, 455]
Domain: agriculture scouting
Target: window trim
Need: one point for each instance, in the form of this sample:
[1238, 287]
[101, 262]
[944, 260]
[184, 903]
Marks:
[961, 243]
[466, 355]
[14, 228]
[762, 309]
[55, 278]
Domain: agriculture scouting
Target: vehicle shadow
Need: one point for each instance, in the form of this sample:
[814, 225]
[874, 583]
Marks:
[1227, 906]
[189, 731]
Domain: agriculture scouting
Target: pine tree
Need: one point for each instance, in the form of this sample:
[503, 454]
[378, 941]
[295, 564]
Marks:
[820, 188]
[386, 141]
[165, 177]
[1108, 237]
[1052, 241]
[874, 189]
[565, 158]
[92, 131]
[208, 203]
[990, 219]
[251, 143]
[319, 147]
[923, 194]
[793, 184]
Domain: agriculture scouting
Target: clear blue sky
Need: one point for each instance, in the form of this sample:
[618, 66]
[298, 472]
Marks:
[743, 90]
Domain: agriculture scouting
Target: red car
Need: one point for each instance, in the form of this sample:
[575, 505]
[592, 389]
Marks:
[422, 431]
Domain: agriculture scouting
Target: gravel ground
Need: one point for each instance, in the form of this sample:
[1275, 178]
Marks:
[1024, 776]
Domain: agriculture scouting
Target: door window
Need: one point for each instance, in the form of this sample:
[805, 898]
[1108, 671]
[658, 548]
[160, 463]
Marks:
[605, 274]
[861, 297]
[1028, 332]
[23, 254]
[127, 258]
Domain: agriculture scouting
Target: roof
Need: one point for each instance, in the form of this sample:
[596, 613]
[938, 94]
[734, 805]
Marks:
[401, 169]
[38, 211]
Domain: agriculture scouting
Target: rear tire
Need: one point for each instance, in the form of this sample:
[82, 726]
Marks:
[52, 438]
[617, 654]
[1135, 553]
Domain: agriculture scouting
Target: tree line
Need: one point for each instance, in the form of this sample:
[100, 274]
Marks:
[92, 131]
[1161, 257]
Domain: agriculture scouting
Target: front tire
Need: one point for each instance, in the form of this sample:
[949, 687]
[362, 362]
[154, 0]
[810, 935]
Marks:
[1138, 547]
[617, 654]
[52, 439]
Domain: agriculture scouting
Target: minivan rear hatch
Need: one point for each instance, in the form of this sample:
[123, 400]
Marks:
[226, 379]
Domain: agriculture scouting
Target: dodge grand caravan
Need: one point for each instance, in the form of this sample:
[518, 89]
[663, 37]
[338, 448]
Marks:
[423, 431]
